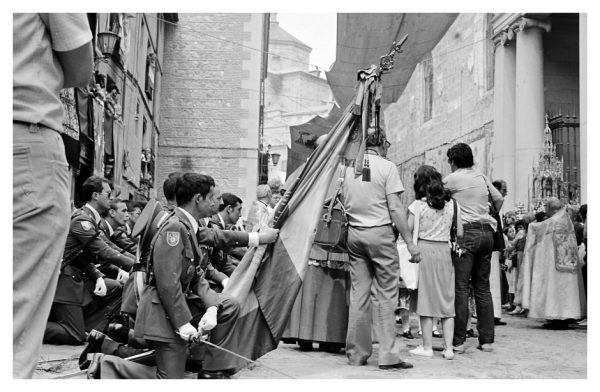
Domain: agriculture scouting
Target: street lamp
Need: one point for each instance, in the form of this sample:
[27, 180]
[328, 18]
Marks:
[107, 41]
[275, 157]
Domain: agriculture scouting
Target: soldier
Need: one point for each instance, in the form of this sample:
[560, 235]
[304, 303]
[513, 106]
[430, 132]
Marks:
[114, 226]
[228, 215]
[74, 309]
[178, 297]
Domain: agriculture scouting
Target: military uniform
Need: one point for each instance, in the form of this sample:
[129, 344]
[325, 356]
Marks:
[178, 291]
[225, 260]
[74, 310]
[119, 237]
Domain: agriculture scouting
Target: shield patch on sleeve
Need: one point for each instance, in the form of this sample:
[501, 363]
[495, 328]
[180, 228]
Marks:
[172, 238]
[87, 226]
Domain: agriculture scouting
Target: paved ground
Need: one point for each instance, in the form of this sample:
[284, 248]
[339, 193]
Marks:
[523, 350]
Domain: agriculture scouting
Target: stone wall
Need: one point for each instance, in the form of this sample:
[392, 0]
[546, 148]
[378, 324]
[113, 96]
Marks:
[210, 100]
[462, 104]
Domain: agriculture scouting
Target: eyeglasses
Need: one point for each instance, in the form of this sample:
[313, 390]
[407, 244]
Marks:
[387, 144]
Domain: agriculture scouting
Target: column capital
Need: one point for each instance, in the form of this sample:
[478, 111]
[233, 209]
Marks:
[528, 23]
[504, 38]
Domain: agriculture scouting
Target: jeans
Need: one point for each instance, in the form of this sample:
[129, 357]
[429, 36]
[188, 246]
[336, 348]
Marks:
[40, 226]
[474, 264]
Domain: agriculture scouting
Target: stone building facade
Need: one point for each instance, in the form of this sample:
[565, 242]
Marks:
[490, 82]
[294, 94]
[211, 100]
[111, 126]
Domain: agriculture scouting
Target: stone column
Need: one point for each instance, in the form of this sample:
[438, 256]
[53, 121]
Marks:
[583, 80]
[504, 115]
[529, 102]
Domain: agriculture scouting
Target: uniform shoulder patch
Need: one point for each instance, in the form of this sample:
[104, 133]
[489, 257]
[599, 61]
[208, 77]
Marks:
[172, 238]
[87, 226]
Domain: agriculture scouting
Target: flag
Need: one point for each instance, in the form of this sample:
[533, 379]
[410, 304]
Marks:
[269, 277]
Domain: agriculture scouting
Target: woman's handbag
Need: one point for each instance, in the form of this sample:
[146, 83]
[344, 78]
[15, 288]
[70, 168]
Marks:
[455, 249]
[332, 228]
[499, 244]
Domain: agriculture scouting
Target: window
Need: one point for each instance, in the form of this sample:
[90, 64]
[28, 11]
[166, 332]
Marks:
[427, 87]
[150, 66]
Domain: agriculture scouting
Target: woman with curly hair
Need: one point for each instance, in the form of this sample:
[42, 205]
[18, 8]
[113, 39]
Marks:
[432, 212]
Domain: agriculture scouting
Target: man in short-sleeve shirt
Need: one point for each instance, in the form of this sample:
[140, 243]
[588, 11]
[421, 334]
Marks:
[372, 206]
[50, 52]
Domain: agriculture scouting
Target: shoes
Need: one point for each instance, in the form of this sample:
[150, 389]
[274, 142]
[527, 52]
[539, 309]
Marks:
[93, 371]
[497, 321]
[506, 306]
[305, 345]
[518, 310]
[216, 375]
[420, 350]
[448, 354]
[288, 341]
[408, 334]
[556, 325]
[332, 348]
[193, 365]
[486, 347]
[436, 334]
[399, 365]
[118, 332]
[471, 333]
[460, 349]
[94, 345]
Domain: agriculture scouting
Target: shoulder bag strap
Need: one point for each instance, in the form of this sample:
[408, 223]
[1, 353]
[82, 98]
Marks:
[454, 221]
[417, 215]
[328, 215]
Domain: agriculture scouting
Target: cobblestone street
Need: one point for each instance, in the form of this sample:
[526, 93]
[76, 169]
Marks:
[523, 350]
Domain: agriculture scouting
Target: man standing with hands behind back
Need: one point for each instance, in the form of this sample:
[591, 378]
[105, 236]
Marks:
[50, 52]
[372, 206]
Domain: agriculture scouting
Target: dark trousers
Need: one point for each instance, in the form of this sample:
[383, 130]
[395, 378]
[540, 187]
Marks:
[120, 350]
[474, 264]
[171, 356]
[67, 324]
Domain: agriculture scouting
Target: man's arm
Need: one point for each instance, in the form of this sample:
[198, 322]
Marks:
[398, 215]
[77, 65]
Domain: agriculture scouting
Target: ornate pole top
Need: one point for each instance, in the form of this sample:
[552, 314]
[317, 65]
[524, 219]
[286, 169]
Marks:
[386, 62]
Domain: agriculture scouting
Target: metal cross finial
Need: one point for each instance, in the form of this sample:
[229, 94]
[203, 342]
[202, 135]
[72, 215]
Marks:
[386, 62]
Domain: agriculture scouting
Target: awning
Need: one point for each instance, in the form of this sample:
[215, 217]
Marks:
[363, 38]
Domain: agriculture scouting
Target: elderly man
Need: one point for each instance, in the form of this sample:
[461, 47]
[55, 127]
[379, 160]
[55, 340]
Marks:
[258, 217]
[552, 281]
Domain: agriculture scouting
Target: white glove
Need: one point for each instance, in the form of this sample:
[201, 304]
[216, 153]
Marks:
[100, 289]
[209, 320]
[186, 331]
[268, 235]
[122, 276]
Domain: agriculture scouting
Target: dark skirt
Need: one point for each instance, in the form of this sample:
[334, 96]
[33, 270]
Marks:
[320, 313]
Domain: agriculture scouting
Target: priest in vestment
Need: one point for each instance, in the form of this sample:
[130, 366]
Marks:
[553, 284]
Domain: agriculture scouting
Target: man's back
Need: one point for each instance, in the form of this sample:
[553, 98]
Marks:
[366, 202]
